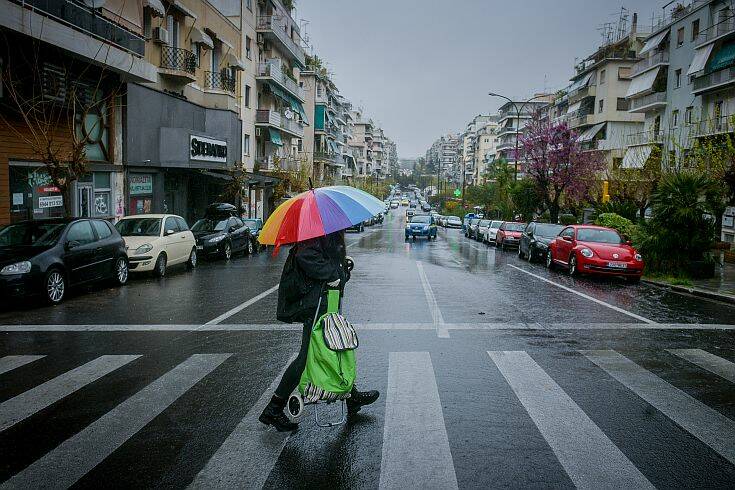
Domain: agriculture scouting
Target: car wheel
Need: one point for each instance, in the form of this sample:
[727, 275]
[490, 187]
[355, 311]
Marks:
[520, 253]
[160, 268]
[531, 254]
[227, 251]
[573, 266]
[55, 286]
[249, 250]
[406, 238]
[121, 271]
[549, 260]
[192, 262]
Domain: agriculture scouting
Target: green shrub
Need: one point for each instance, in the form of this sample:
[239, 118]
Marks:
[567, 219]
[624, 226]
[626, 209]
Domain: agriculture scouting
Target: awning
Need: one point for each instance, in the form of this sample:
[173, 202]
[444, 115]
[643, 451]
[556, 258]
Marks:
[296, 106]
[723, 58]
[156, 6]
[636, 156]
[590, 133]
[581, 83]
[275, 137]
[233, 61]
[574, 107]
[654, 42]
[701, 55]
[183, 9]
[279, 92]
[642, 83]
[198, 36]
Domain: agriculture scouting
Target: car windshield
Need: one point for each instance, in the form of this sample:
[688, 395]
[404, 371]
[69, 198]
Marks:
[547, 230]
[514, 226]
[484, 223]
[37, 234]
[597, 235]
[251, 223]
[139, 226]
[209, 225]
[420, 219]
[496, 224]
[454, 219]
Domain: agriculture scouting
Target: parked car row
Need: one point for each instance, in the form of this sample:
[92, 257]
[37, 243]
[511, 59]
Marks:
[47, 257]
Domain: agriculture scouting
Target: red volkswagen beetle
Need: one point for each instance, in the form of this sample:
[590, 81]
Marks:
[586, 249]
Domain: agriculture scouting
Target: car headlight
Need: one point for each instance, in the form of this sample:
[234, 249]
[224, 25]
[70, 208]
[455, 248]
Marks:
[216, 239]
[426, 228]
[17, 268]
[146, 247]
[638, 257]
[586, 252]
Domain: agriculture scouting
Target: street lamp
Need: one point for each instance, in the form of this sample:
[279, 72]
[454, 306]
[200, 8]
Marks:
[518, 118]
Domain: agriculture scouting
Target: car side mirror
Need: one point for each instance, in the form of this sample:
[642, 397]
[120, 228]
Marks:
[170, 232]
[566, 238]
[628, 242]
[71, 244]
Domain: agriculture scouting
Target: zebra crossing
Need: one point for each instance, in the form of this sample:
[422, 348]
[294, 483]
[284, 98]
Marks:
[417, 446]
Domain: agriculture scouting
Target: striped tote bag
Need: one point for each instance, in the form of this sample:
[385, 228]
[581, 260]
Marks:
[339, 334]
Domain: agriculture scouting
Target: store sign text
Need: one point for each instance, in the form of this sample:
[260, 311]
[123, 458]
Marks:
[207, 149]
[141, 184]
[50, 202]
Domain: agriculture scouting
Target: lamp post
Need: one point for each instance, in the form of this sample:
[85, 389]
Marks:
[518, 118]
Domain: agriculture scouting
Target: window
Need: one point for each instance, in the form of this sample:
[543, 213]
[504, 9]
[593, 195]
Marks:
[102, 194]
[603, 74]
[567, 232]
[695, 30]
[623, 104]
[247, 95]
[171, 224]
[675, 118]
[80, 232]
[248, 47]
[214, 57]
[601, 105]
[182, 224]
[147, 23]
[688, 115]
[246, 144]
[102, 228]
[680, 37]
[172, 26]
[677, 78]
[196, 48]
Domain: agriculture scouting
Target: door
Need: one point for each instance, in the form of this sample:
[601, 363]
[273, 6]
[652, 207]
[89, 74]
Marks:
[85, 198]
[564, 247]
[187, 237]
[237, 230]
[173, 240]
[107, 248]
[79, 255]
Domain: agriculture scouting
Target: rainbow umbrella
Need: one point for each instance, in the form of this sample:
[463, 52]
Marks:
[318, 212]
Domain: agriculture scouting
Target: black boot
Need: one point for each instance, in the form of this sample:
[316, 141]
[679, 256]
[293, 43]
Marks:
[359, 398]
[273, 415]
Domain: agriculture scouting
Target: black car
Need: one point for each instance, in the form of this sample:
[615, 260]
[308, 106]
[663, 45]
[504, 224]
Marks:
[222, 236]
[535, 240]
[47, 257]
[255, 225]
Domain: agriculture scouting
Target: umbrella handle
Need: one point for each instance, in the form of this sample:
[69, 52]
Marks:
[311, 185]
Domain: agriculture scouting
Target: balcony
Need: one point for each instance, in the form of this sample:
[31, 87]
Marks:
[274, 28]
[645, 138]
[271, 70]
[714, 80]
[581, 118]
[647, 103]
[652, 61]
[582, 92]
[265, 117]
[717, 31]
[711, 127]
[178, 63]
[219, 81]
[507, 131]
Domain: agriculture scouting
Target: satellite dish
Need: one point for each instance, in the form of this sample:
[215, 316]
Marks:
[95, 4]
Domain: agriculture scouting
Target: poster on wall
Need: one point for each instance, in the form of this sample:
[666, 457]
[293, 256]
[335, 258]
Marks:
[50, 202]
[141, 184]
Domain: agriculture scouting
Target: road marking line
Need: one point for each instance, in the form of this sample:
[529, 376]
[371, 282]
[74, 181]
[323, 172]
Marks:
[238, 309]
[248, 455]
[415, 444]
[710, 362]
[585, 296]
[589, 457]
[75, 457]
[704, 423]
[436, 314]
[44, 395]
[8, 363]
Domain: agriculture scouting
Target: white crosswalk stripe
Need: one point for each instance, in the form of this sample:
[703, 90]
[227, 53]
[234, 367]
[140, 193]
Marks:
[710, 362]
[8, 363]
[26, 404]
[79, 454]
[706, 424]
[566, 427]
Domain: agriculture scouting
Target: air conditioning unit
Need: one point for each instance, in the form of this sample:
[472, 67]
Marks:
[160, 35]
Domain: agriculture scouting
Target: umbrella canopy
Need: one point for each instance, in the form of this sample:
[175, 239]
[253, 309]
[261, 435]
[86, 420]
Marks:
[318, 212]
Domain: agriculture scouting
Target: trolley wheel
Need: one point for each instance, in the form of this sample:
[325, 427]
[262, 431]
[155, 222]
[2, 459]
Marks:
[295, 406]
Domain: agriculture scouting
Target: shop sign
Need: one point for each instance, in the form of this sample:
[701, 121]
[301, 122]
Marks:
[141, 184]
[47, 190]
[50, 202]
[207, 149]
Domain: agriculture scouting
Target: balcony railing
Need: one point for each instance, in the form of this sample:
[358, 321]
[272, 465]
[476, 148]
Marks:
[720, 29]
[714, 79]
[653, 100]
[646, 63]
[272, 70]
[582, 92]
[276, 119]
[87, 21]
[581, 117]
[178, 59]
[719, 125]
[645, 137]
[277, 26]
[219, 81]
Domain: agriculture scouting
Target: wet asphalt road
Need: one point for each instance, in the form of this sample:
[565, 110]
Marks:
[493, 373]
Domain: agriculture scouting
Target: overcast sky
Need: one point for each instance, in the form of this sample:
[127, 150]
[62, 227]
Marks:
[423, 68]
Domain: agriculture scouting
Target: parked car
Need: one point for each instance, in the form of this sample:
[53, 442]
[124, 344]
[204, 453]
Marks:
[156, 241]
[222, 236]
[421, 225]
[587, 249]
[492, 231]
[466, 221]
[535, 240]
[47, 257]
[453, 222]
[255, 225]
[482, 228]
[471, 228]
[509, 234]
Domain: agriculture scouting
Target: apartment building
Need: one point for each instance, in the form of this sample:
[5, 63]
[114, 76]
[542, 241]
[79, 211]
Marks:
[361, 143]
[391, 150]
[512, 119]
[485, 149]
[378, 153]
[478, 141]
[444, 155]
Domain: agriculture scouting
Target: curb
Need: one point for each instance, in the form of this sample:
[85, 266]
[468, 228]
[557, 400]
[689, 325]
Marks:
[703, 293]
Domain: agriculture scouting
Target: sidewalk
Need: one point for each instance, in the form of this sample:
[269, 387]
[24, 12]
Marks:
[721, 287]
